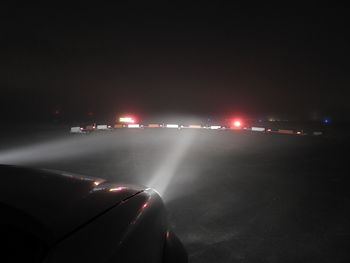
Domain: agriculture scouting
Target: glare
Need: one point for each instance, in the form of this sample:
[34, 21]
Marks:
[144, 205]
[117, 189]
[126, 120]
[168, 166]
[60, 148]
[237, 124]
[164, 150]
[165, 153]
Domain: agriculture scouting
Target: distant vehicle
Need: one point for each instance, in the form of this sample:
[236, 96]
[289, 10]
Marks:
[285, 131]
[76, 130]
[103, 127]
[88, 128]
[194, 126]
[215, 127]
[50, 216]
[118, 126]
[258, 129]
[153, 125]
[134, 126]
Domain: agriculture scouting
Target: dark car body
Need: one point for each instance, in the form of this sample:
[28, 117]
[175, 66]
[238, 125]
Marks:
[50, 216]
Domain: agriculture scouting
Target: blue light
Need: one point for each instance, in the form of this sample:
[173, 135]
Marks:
[326, 121]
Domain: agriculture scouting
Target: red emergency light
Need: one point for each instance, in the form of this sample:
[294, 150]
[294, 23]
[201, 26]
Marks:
[237, 124]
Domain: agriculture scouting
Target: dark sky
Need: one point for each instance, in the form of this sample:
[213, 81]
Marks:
[201, 59]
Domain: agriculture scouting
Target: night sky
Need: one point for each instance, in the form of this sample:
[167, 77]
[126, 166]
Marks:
[200, 59]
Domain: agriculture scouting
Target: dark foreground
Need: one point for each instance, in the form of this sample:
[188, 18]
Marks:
[231, 196]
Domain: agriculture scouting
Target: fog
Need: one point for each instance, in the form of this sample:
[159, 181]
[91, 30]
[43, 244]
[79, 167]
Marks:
[162, 153]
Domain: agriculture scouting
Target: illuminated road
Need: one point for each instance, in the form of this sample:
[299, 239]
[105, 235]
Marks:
[231, 196]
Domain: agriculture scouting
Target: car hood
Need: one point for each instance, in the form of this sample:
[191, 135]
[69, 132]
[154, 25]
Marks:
[61, 202]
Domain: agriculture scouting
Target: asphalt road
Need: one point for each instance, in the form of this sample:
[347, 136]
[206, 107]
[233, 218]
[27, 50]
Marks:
[231, 196]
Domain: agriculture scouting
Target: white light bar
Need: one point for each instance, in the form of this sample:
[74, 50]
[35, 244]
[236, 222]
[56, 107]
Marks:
[176, 126]
[133, 125]
[261, 129]
[215, 127]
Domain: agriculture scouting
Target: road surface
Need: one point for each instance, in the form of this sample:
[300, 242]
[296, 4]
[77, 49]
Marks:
[231, 196]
